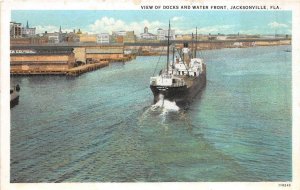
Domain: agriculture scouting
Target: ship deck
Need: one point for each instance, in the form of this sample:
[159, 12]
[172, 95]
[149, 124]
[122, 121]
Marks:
[188, 80]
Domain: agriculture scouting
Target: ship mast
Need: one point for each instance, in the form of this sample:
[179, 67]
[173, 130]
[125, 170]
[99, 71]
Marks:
[192, 53]
[173, 61]
[196, 44]
[168, 48]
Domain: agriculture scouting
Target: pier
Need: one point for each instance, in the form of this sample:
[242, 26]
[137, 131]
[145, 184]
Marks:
[86, 68]
[64, 60]
[75, 71]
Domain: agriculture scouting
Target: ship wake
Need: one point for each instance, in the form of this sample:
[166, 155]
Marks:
[165, 105]
[159, 113]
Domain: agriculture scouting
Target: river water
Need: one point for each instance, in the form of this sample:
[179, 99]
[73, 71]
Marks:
[102, 126]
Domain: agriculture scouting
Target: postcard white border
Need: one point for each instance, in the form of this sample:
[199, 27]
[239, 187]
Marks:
[7, 6]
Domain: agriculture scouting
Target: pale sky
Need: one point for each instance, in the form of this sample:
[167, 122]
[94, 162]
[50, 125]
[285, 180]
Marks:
[225, 22]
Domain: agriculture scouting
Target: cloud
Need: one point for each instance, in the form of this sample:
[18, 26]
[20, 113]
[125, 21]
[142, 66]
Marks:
[216, 29]
[50, 29]
[176, 18]
[277, 25]
[109, 24]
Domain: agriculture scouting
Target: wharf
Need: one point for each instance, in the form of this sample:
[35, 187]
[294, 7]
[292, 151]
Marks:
[64, 60]
[120, 59]
[75, 71]
[86, 68]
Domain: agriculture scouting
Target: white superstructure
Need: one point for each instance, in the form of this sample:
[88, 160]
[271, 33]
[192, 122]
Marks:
[178, 69]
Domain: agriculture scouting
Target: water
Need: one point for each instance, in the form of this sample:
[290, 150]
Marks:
[102, 126]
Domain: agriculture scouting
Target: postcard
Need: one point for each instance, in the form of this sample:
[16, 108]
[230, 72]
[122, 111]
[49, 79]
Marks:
[150, 94]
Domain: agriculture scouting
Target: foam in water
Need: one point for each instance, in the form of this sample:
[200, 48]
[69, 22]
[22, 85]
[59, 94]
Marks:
[165, 104]
[162, 107]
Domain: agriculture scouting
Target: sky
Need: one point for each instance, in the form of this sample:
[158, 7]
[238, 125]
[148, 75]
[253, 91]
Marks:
[184, 22]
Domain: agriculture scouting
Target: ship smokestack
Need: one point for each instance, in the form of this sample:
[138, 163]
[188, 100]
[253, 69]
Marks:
[186, 53]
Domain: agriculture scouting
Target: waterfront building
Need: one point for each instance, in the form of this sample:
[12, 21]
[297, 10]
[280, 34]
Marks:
[88, 38]
[19, 41]
[147, 36]
[38, 40]
[54, 37]
[211, 37]
[129, 37]
[15, 30]
[163, 34]
[27, 31]
[119, 33]
[221, 37]
[188, 37]
[183, 37]
[123, 37]
[101, 53]
[203, 37]
[72, 37]
[103, 38]
[24, 59]
[238, 44]
[28, 41]
[119, 39]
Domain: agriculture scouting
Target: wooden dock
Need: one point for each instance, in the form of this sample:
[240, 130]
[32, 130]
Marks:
[121, 59]
[86, 68]
[75, 71]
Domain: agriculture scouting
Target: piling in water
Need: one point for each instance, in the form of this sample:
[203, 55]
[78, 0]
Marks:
[86, 68]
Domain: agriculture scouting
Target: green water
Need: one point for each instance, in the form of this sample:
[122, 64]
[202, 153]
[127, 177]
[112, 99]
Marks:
[102, 126]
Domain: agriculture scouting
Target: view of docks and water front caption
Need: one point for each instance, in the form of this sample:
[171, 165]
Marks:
[108, 107]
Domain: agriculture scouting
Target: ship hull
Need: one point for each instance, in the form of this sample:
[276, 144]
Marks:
[14, 101]
[182, 95]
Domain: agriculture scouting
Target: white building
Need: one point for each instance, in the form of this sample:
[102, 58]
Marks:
[27, 31]
[163, 34]
[238, 44]
[147, 36]
[54, 38]
[103, 38]
[119, 33]
[221, 37]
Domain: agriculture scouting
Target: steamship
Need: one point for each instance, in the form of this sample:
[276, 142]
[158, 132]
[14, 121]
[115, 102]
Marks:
[183, 78]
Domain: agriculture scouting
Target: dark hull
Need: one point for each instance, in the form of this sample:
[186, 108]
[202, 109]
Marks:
[14, 102]
[181, 95]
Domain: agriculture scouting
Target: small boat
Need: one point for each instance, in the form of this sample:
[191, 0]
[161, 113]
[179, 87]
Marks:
[183, 79]
[14, 95]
